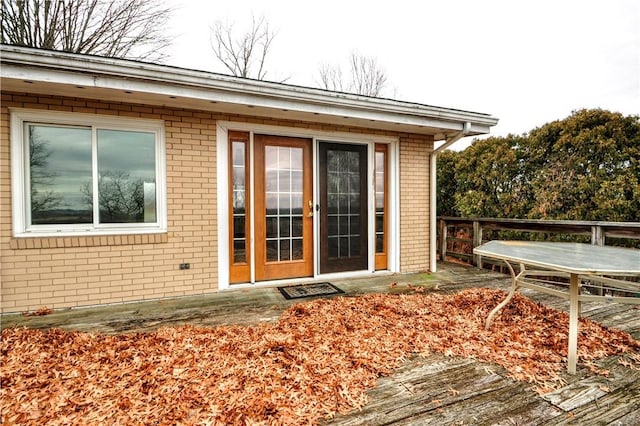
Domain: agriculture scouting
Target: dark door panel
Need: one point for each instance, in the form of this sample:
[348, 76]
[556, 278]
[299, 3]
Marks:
[343, 207]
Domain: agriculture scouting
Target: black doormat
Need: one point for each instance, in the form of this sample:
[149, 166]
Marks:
[309, 290]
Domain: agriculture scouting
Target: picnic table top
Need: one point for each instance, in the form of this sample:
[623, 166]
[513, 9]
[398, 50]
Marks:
[573, 258]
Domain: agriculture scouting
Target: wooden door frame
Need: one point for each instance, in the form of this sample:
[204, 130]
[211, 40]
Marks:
[240, 272]
[382, 259]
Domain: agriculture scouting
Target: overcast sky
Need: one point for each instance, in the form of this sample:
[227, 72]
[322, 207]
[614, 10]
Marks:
[525, 62]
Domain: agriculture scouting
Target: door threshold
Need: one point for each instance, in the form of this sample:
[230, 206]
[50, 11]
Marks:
[308, 280]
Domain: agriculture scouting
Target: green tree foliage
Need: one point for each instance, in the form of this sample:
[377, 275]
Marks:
[447, 184]
[488, 176]
[584, 167]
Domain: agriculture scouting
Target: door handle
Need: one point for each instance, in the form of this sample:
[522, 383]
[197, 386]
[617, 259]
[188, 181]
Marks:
[310, 214]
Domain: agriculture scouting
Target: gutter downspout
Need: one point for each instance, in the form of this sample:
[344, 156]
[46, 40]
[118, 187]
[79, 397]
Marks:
[466, 129]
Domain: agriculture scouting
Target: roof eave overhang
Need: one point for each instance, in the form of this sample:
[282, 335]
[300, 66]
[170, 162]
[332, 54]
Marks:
[59, 73]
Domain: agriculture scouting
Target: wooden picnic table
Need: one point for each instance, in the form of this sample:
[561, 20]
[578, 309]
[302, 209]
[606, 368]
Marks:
[598, 268]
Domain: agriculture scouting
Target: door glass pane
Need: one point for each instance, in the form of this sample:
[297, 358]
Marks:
[272, 227]
[272, 250]
[380, 197]
[296, 249]
[296, 226]
[343, 199]
[239, 251]
[239, 227]
[126, 176]
[284, 203]
[285, 230]
[239, 207]
[271, 181]
[285, 249]
[60, 175]
[333, 246]
[284, 206]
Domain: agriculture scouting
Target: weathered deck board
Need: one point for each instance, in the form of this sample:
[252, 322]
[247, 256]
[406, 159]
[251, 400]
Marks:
[432, 390]
[586, 400]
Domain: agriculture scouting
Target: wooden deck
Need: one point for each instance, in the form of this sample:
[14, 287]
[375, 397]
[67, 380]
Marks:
[433, 390]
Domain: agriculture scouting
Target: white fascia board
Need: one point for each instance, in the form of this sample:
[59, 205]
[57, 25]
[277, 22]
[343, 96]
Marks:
[117, 74]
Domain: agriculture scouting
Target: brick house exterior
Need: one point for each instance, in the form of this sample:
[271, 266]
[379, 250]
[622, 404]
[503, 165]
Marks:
[48, 262]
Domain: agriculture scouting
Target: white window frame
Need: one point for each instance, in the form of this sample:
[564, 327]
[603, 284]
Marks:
[20, 169]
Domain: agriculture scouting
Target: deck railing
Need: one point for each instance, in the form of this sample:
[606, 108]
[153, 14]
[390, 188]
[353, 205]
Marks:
[458, 236]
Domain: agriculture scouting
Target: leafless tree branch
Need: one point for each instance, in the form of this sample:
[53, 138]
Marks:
[244, 55]
[366, 77]
[134, 29]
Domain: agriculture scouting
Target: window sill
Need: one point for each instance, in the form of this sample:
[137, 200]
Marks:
[45, 242]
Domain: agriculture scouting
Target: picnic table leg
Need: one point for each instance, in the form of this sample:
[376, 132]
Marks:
[574, 313]
[514, 287]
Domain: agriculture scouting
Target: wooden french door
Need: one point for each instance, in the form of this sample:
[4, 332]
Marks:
[283, 210]
[343, 201]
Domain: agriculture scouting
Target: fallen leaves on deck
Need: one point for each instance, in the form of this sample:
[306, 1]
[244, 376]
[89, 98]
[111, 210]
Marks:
[320, 358]
[38, 313]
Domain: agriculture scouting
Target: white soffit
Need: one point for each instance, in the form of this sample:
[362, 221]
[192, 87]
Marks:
[57, 73]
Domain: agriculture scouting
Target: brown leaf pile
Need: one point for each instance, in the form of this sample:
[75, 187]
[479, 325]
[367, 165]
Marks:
[318, 359]
[38, 313]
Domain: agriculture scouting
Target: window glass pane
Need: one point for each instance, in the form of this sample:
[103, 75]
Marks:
[296, 181]
[343, 249]
[126, 176]
[285, 229]
[355, 203]
[239, 202]
[296, 249]
[332, 243]
[272, 227]
[296, 203]
[271, 157]
[60, 175]
[285, 253]
[332, 222]
[272, 203]
[296, 226]
[284, 180]
[354, 224]
[285, 204]
[343, 202]
[332, 201]
[354, 245]
[238, 178]
[239, 227]
[379, 243]
[238, 153]
[239, 251]
[284, 158]
[354, 182]
[380, 200]
[379, 183]
[343, 225]
[239, 194]
[272, 250]
[296, 159]
[271, 181]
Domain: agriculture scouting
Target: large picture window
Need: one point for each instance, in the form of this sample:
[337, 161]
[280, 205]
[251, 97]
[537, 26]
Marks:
[86, 173]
